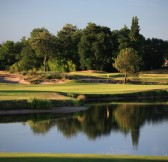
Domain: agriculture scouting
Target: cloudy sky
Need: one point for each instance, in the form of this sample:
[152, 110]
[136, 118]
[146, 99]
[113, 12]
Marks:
[19, 17]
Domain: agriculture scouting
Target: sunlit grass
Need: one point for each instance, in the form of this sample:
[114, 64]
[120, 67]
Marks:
[56, 91]
[34, 157]
[160, 77]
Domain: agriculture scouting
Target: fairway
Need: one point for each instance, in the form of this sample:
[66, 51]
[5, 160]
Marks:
[56, 91]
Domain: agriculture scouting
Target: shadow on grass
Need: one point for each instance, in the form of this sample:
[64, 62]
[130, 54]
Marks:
[143, 96]
[152, 95]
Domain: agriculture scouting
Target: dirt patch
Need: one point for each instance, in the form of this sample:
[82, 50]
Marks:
[6, 77]
[13, 80]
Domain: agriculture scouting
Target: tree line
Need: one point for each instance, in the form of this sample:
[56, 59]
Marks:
[93, 48]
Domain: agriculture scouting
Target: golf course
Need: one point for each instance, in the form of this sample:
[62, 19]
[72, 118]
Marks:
[70, 88]
[84, 81]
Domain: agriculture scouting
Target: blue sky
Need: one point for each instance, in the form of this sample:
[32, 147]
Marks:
[19, 17]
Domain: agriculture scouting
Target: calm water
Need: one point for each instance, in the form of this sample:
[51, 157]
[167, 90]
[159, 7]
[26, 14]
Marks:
[106, 129]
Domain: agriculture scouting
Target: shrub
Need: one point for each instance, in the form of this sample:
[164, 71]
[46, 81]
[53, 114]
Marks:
[35, 103]
[24, 72]
[32, 71]
[80, 100]
[57, 65]
[71, 66]
[14, 68]
[70, 94]
[61, 65]
[49, 76]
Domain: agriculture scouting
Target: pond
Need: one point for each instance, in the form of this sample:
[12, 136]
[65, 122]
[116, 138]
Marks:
[120, 128]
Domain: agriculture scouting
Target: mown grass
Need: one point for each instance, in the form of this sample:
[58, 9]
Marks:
[33, 157]
[58, 91]
[66, 90]
[155, 77]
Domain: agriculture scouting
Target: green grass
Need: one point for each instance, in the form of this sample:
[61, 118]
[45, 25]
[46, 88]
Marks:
[33, 157]
[92, 74]
[60, 91]
[56, 91]
[157, 76]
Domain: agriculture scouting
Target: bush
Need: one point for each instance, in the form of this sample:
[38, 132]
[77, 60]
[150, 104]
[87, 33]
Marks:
[70, 66]
[24, 72]
[35, 103]
[80, 100]
[32, 71]
[61, 65]
[15, 67]
[49, 76]
[57, 65]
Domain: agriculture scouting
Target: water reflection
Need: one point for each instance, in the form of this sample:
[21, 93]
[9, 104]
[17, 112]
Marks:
[41, 126]
[101, 120]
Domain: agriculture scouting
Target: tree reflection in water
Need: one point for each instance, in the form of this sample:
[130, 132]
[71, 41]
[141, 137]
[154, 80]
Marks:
[101, 120]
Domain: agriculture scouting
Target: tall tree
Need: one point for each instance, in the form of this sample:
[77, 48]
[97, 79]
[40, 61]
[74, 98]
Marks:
[128, 62]
[115, 42]
[154, 53]
[67, 44]
[43, 43]
[29, 59]
[95, 48]
[135, 28]
[9, 52]
[136, 39]
[123, 38]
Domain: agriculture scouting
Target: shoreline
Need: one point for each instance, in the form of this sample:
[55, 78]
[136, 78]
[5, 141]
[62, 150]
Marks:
[16, 107]
[58, 110]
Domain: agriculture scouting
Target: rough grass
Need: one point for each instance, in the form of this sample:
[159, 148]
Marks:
[32, 157]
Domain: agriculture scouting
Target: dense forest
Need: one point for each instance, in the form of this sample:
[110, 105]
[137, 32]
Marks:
[93, 48]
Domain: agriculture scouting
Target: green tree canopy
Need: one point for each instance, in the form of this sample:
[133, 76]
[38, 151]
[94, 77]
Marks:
[9, 52]
[95, 48]
[154, 53]
[135, 28]
[123, 38]
[128, 62]
[137, 40]
[91, 48]
[43, 43]
[67, 44]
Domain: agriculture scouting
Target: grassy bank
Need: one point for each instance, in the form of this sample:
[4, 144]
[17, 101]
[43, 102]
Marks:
[28, 157]
[67, 91]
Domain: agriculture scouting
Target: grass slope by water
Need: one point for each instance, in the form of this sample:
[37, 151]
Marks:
[58, 91]
[33, 157]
